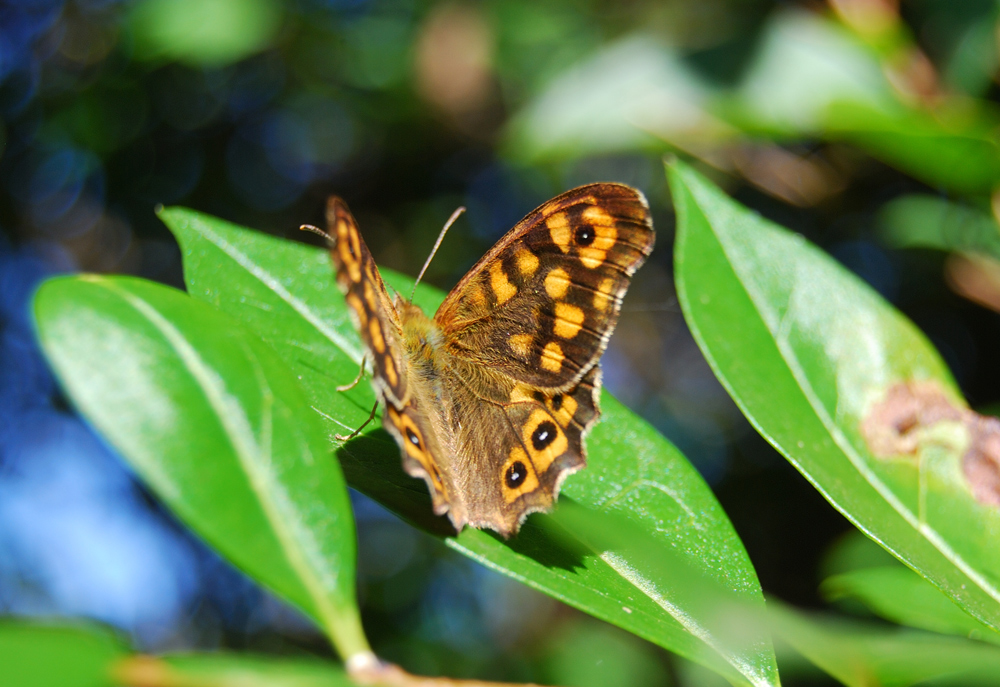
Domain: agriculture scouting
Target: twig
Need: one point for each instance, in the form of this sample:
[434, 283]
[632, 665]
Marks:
[368, 669]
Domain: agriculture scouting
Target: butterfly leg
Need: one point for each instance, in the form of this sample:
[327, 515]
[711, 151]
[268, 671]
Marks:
[341, 437]
[361, 372]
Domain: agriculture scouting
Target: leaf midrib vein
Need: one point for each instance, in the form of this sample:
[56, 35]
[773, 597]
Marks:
[272, 283]
[841, 440]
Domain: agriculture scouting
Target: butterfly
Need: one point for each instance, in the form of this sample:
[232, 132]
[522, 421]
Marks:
[491, 398]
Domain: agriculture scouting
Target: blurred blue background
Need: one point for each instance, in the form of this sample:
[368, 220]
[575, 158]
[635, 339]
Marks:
[256, 110]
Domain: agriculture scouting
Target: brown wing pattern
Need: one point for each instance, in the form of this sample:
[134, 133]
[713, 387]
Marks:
[369, 304]
[425, 456]
[490, 402]
[406, 393]
[533, 443]
[541, 305]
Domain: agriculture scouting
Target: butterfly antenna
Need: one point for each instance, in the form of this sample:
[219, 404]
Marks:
[437, 244]
[318, 231]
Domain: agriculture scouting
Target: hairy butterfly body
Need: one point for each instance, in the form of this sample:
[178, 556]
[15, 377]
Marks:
[490, 400]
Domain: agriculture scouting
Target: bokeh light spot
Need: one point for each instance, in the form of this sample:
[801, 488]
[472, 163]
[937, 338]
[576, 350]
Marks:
[204, 32]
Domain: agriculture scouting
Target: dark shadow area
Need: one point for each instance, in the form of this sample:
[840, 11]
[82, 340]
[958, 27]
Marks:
[371, 463]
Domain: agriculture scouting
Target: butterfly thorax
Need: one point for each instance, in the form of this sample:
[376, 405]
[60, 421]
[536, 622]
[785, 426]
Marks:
[422, 338]
[424, 349]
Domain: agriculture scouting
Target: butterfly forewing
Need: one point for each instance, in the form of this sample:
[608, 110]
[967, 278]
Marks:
[371, 308]
[541, 305]
[408, 414]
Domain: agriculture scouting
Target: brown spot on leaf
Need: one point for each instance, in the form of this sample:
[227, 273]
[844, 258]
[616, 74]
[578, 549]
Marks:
[981, 463]
[893, 426]
[897, 426]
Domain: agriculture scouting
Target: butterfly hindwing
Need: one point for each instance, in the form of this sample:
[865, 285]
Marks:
[541, 305]
[544, 446]
[417, 431]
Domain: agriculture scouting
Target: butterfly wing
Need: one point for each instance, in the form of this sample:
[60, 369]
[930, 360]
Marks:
[371, 308]
[408, 397]
[541, 305]
[512, 459]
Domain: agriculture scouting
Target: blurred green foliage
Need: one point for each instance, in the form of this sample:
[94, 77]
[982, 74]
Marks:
[208, 34]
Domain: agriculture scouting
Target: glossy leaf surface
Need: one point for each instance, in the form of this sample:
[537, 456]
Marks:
[215, 423]
[806, 348]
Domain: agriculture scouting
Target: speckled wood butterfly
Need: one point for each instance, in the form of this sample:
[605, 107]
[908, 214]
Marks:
[491, 399]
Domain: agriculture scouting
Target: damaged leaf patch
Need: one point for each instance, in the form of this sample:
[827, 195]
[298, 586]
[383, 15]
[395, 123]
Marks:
[902, 422]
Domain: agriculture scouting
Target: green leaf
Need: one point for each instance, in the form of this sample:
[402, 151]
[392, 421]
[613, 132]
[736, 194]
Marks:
[898, 594]
[812, 77]
[853, 551]
[960, 152]
[629, 96]
[923, 221]
[861, 655]
[215, 423]
[286, 293]
[228, 670]
[806, 63]
[806, 348]
[35, 655]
